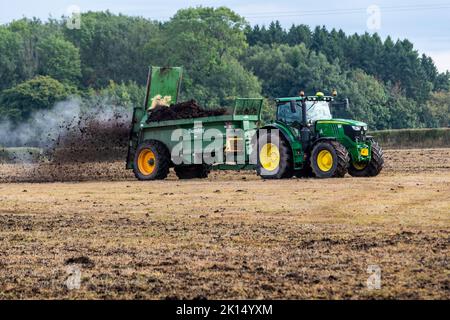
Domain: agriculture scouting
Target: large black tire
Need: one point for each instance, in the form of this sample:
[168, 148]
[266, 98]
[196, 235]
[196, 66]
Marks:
[338, 162]
[196, 171]
[158, 160]
[372, 168]
[284, 168]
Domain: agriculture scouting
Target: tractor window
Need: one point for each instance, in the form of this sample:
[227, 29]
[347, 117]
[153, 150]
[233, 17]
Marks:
[286, 115]
[318, 110]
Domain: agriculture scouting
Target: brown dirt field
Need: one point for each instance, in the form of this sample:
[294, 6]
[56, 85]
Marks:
[231, 236]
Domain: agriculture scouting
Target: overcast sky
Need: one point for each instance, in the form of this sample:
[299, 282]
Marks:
[427, 25]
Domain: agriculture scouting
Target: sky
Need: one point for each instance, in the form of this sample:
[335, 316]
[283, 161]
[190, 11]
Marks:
[427, 25]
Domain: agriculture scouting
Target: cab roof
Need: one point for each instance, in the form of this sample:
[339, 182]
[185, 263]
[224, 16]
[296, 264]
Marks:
[308, 98]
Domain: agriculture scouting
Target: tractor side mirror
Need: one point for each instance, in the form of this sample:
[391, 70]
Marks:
[345, 104]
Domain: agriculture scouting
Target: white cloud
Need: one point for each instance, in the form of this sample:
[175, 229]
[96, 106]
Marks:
[441, 59]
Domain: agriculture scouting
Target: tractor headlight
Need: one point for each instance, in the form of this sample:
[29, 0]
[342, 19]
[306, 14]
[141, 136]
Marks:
[364, 152]
[357, 128]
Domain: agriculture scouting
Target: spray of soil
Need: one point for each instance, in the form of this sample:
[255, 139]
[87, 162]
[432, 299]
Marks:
[79, 140]
[91, 139]
[73, 131]
[71, 136]
[184, 110]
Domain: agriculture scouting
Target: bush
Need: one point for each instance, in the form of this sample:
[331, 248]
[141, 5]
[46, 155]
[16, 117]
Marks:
[413, 138]
[40, 93]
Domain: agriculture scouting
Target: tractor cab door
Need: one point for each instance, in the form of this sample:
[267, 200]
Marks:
[286, 115]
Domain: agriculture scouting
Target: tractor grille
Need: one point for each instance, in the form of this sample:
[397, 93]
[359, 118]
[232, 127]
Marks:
[355, 135]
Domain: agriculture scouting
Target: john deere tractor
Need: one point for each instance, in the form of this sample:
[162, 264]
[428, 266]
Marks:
[305, 141]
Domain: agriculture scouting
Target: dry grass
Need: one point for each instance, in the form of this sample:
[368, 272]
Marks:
[233, 236]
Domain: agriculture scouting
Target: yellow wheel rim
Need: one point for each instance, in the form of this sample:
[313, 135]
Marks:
[146, 162]
[325, 160]
[269, 157]
[359, 165]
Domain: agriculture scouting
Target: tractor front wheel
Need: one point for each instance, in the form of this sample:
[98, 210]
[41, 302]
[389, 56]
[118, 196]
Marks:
[151, 161]
[371, 168]
[329, 159]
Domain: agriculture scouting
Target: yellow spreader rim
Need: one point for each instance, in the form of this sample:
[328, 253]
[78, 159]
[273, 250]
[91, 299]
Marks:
[146, 162]
[269, 157]
[359, 165]
[325, 160]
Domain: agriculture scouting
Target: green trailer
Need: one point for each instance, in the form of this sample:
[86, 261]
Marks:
[156, 146]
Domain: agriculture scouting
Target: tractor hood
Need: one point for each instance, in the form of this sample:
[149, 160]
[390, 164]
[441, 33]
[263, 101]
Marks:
[342, 122]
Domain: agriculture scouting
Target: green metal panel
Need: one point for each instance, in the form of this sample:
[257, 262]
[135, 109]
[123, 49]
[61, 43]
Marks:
[180, 122]
[248, 106]
[165, 82]
[162, 131]
[343, 121]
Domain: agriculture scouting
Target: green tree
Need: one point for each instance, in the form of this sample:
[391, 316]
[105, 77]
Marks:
[29, 31]
[439, 108]
[112, 47]
[10, 53]
[39, 93]
[389, 84]
[59, 59]
[207, 43]
[277, 34]
[299, 34]
[127, 95]
[403, 112]
[368, 100]
[442, 82]
[286, 70]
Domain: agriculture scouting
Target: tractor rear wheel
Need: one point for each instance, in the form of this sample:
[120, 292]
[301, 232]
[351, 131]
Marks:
[274, 158]
[371, 168]
[151, 161]
[196, 171]
[329, 159]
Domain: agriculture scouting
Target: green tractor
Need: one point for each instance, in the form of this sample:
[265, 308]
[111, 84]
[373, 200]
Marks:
[306, 141]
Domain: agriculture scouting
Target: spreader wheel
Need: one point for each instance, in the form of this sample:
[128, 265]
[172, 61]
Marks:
[151, 161]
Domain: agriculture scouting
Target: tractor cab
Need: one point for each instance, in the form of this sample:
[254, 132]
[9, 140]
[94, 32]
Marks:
[290, 111]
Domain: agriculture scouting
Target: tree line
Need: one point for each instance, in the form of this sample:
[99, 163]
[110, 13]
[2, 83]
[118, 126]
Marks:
[388, 83]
